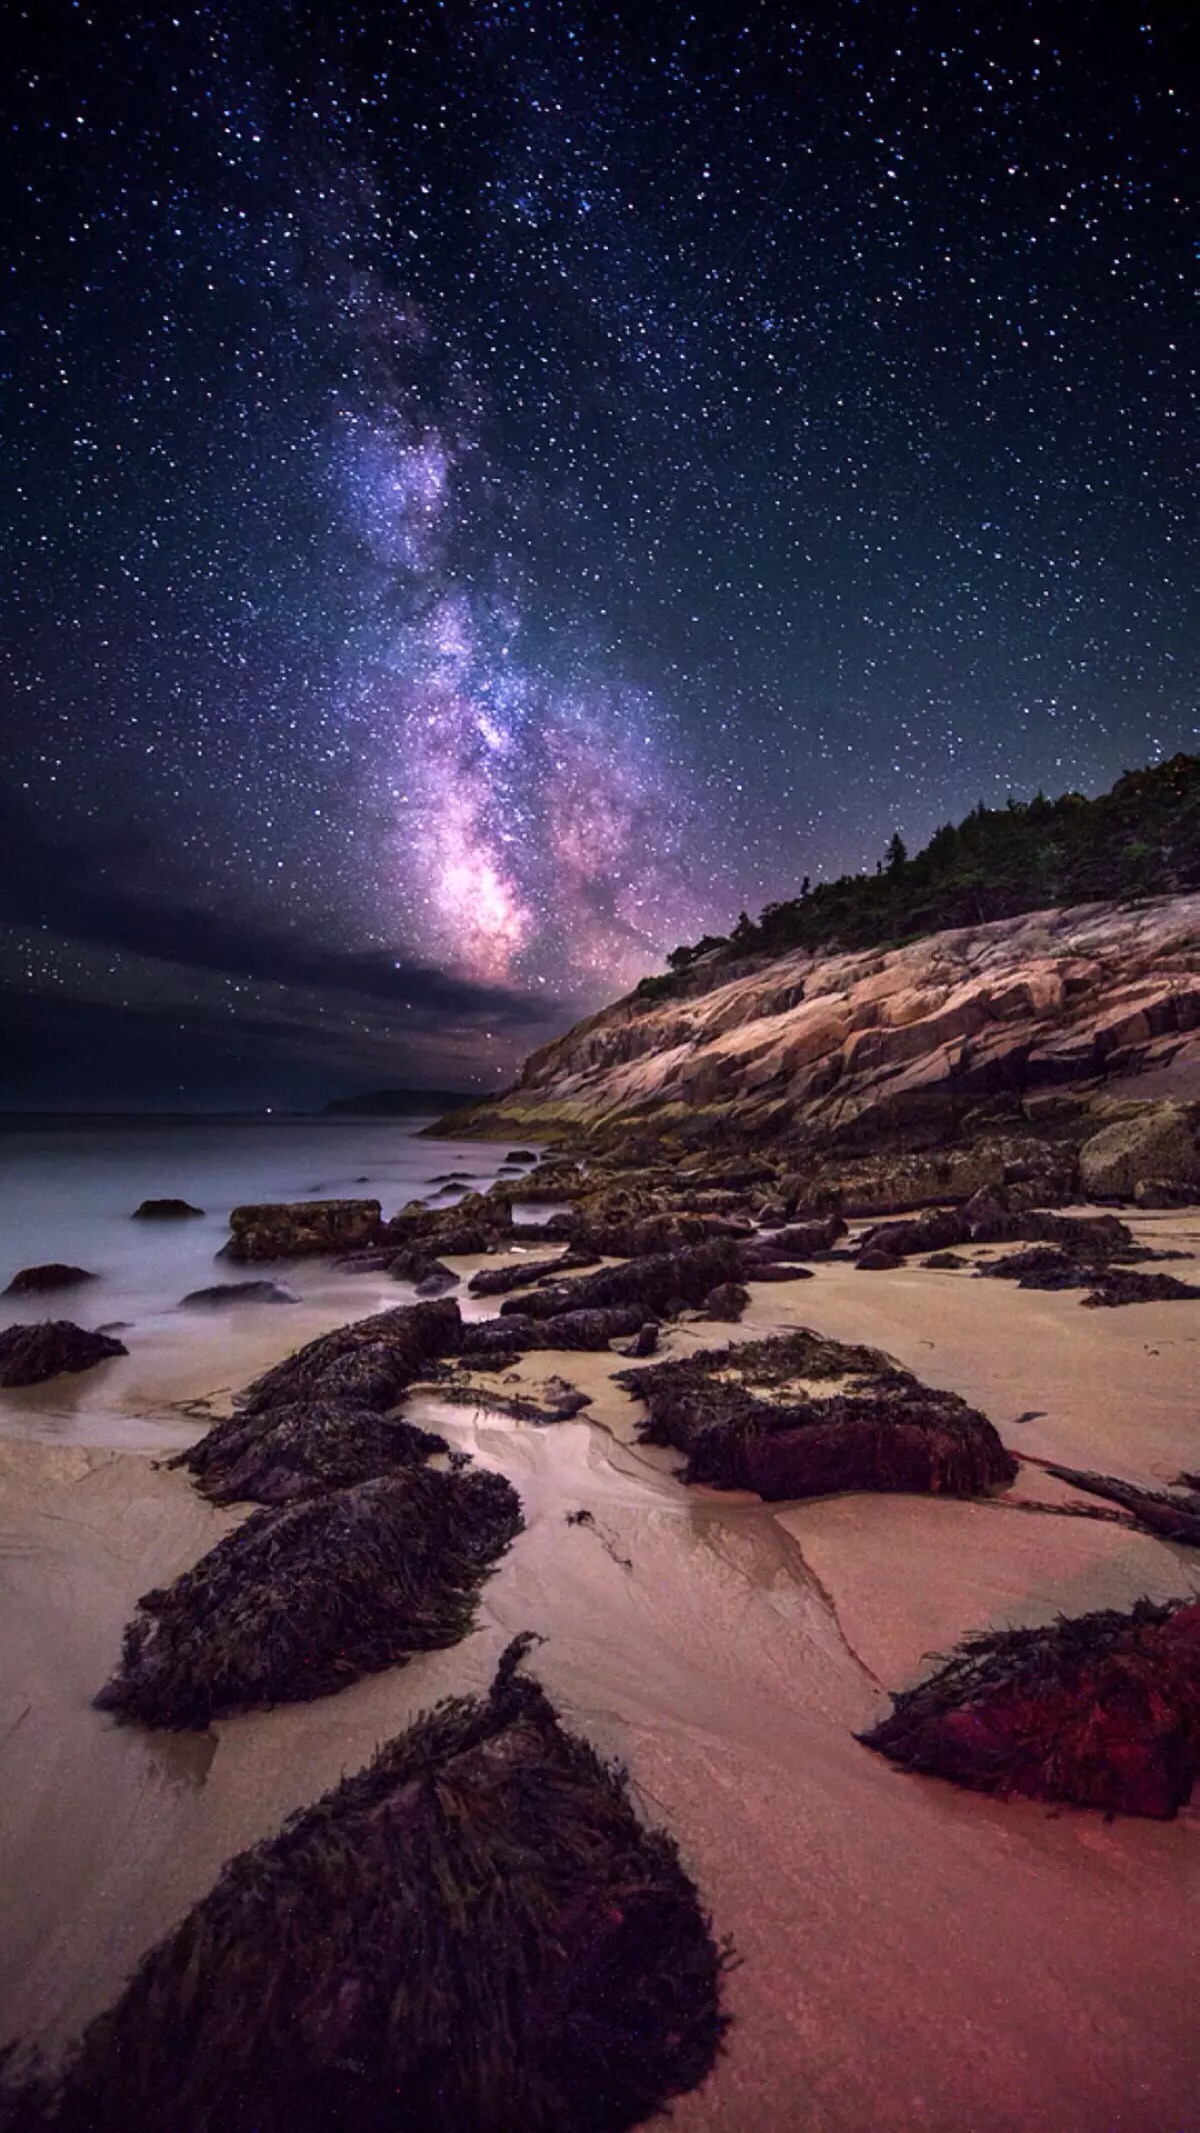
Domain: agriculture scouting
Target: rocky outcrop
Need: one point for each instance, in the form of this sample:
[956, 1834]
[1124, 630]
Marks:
[165, 1211]
[29, 1355]
[1033, 1019]
[301, 1228]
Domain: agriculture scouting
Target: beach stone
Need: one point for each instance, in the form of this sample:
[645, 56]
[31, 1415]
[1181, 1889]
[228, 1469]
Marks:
[31, 1354]
[37, 1280]
[301, 1228]
[165, 1211]
[1159, 1142]
[236, 1292]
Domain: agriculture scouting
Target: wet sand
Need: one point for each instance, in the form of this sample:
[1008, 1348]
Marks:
[912, 1957]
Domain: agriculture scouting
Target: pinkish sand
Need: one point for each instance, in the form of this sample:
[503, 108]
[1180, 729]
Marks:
[914, 1959]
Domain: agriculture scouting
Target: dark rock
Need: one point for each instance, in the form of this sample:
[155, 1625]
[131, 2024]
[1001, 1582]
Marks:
[877, 1261]
[746, 1418]
[39, 1280]
[944, 1262]
[164, 1211]
[646, 1342]
[1120, 1285]
[726, 1302]
[301, 1228]
[758, 1266]
[498, 1280]
[31, 1354]
[1099, 1711]
[1043, 1266]
[295, 1451]
[237, 1292]
[368, 1364]
[1165, 1193]
[590, 1330]
[487, 1875]
[419, 1265]
[804, 1239]
[299, 1602]
[931, 1232]
[649, 1283]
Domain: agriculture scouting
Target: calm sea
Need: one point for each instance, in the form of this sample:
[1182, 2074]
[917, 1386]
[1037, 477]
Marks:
[68, 1190]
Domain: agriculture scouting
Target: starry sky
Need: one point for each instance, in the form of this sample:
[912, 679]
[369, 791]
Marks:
[495, 488]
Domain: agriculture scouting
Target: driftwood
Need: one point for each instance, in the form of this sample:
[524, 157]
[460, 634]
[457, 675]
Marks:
[474, 1934]
[1101, 1711]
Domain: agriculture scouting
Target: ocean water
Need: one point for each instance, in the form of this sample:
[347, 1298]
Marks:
[68, 1192]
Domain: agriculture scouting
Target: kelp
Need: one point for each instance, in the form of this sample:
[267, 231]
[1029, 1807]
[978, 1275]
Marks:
[474, 1934]
[657, 1284]
[295, 1451]
[746, 1419]
[1102, 1710]
[299, 1602]
[368, 1364]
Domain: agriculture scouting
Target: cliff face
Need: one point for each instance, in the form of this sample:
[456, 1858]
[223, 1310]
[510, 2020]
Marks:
[856, 1049]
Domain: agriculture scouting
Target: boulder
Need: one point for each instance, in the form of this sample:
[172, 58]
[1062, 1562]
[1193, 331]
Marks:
[1160, 1141]
[301, 1449]
[30, 1354]
[299, 1602]
[1102, 1710]
[223, 1293]
[41, 1280]
[477, 1932]
[301, 1228]
[748, 1417]
[368, 1363]
[165, 1211]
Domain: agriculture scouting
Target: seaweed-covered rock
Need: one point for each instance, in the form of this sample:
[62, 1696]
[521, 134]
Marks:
[750, 1418]
[416, 1263]
[290, 1452]
[41, 1280]
[878, 1261]
[472, 1935]
[31, 1354]
[523, 1273]
[298, 1603]
[1101, 1711]
[516, 1334]
[650, 1283]
[223, 1293]
[369, 1363]
[726, 1302]
[1124, 1285]
[300, 1228]
[934, 1231]
[165, 1211]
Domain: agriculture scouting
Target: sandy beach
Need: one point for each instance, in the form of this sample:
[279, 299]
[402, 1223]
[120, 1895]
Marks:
[912, 1957]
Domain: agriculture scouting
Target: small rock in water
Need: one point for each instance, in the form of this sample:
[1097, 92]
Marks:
[36, 1280]
[237, 1292]
[164, 1211]
[31, 1354]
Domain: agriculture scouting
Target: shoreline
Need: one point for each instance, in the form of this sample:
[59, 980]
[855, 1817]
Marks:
[912, 1956]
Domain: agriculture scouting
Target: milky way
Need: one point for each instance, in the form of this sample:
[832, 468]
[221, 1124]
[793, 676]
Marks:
[495, 489]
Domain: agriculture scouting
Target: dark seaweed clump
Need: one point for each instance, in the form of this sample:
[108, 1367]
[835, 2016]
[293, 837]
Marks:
[742, 1425]
[1101, 1711]
[300, 1602]
[300, 1449]
[369, 1363]
[473, 1935]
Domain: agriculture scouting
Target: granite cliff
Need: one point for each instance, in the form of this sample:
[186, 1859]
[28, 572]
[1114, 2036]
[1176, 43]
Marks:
[1054, 1026]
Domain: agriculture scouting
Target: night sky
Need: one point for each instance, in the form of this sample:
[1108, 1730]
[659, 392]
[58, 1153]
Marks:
[491, 491]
